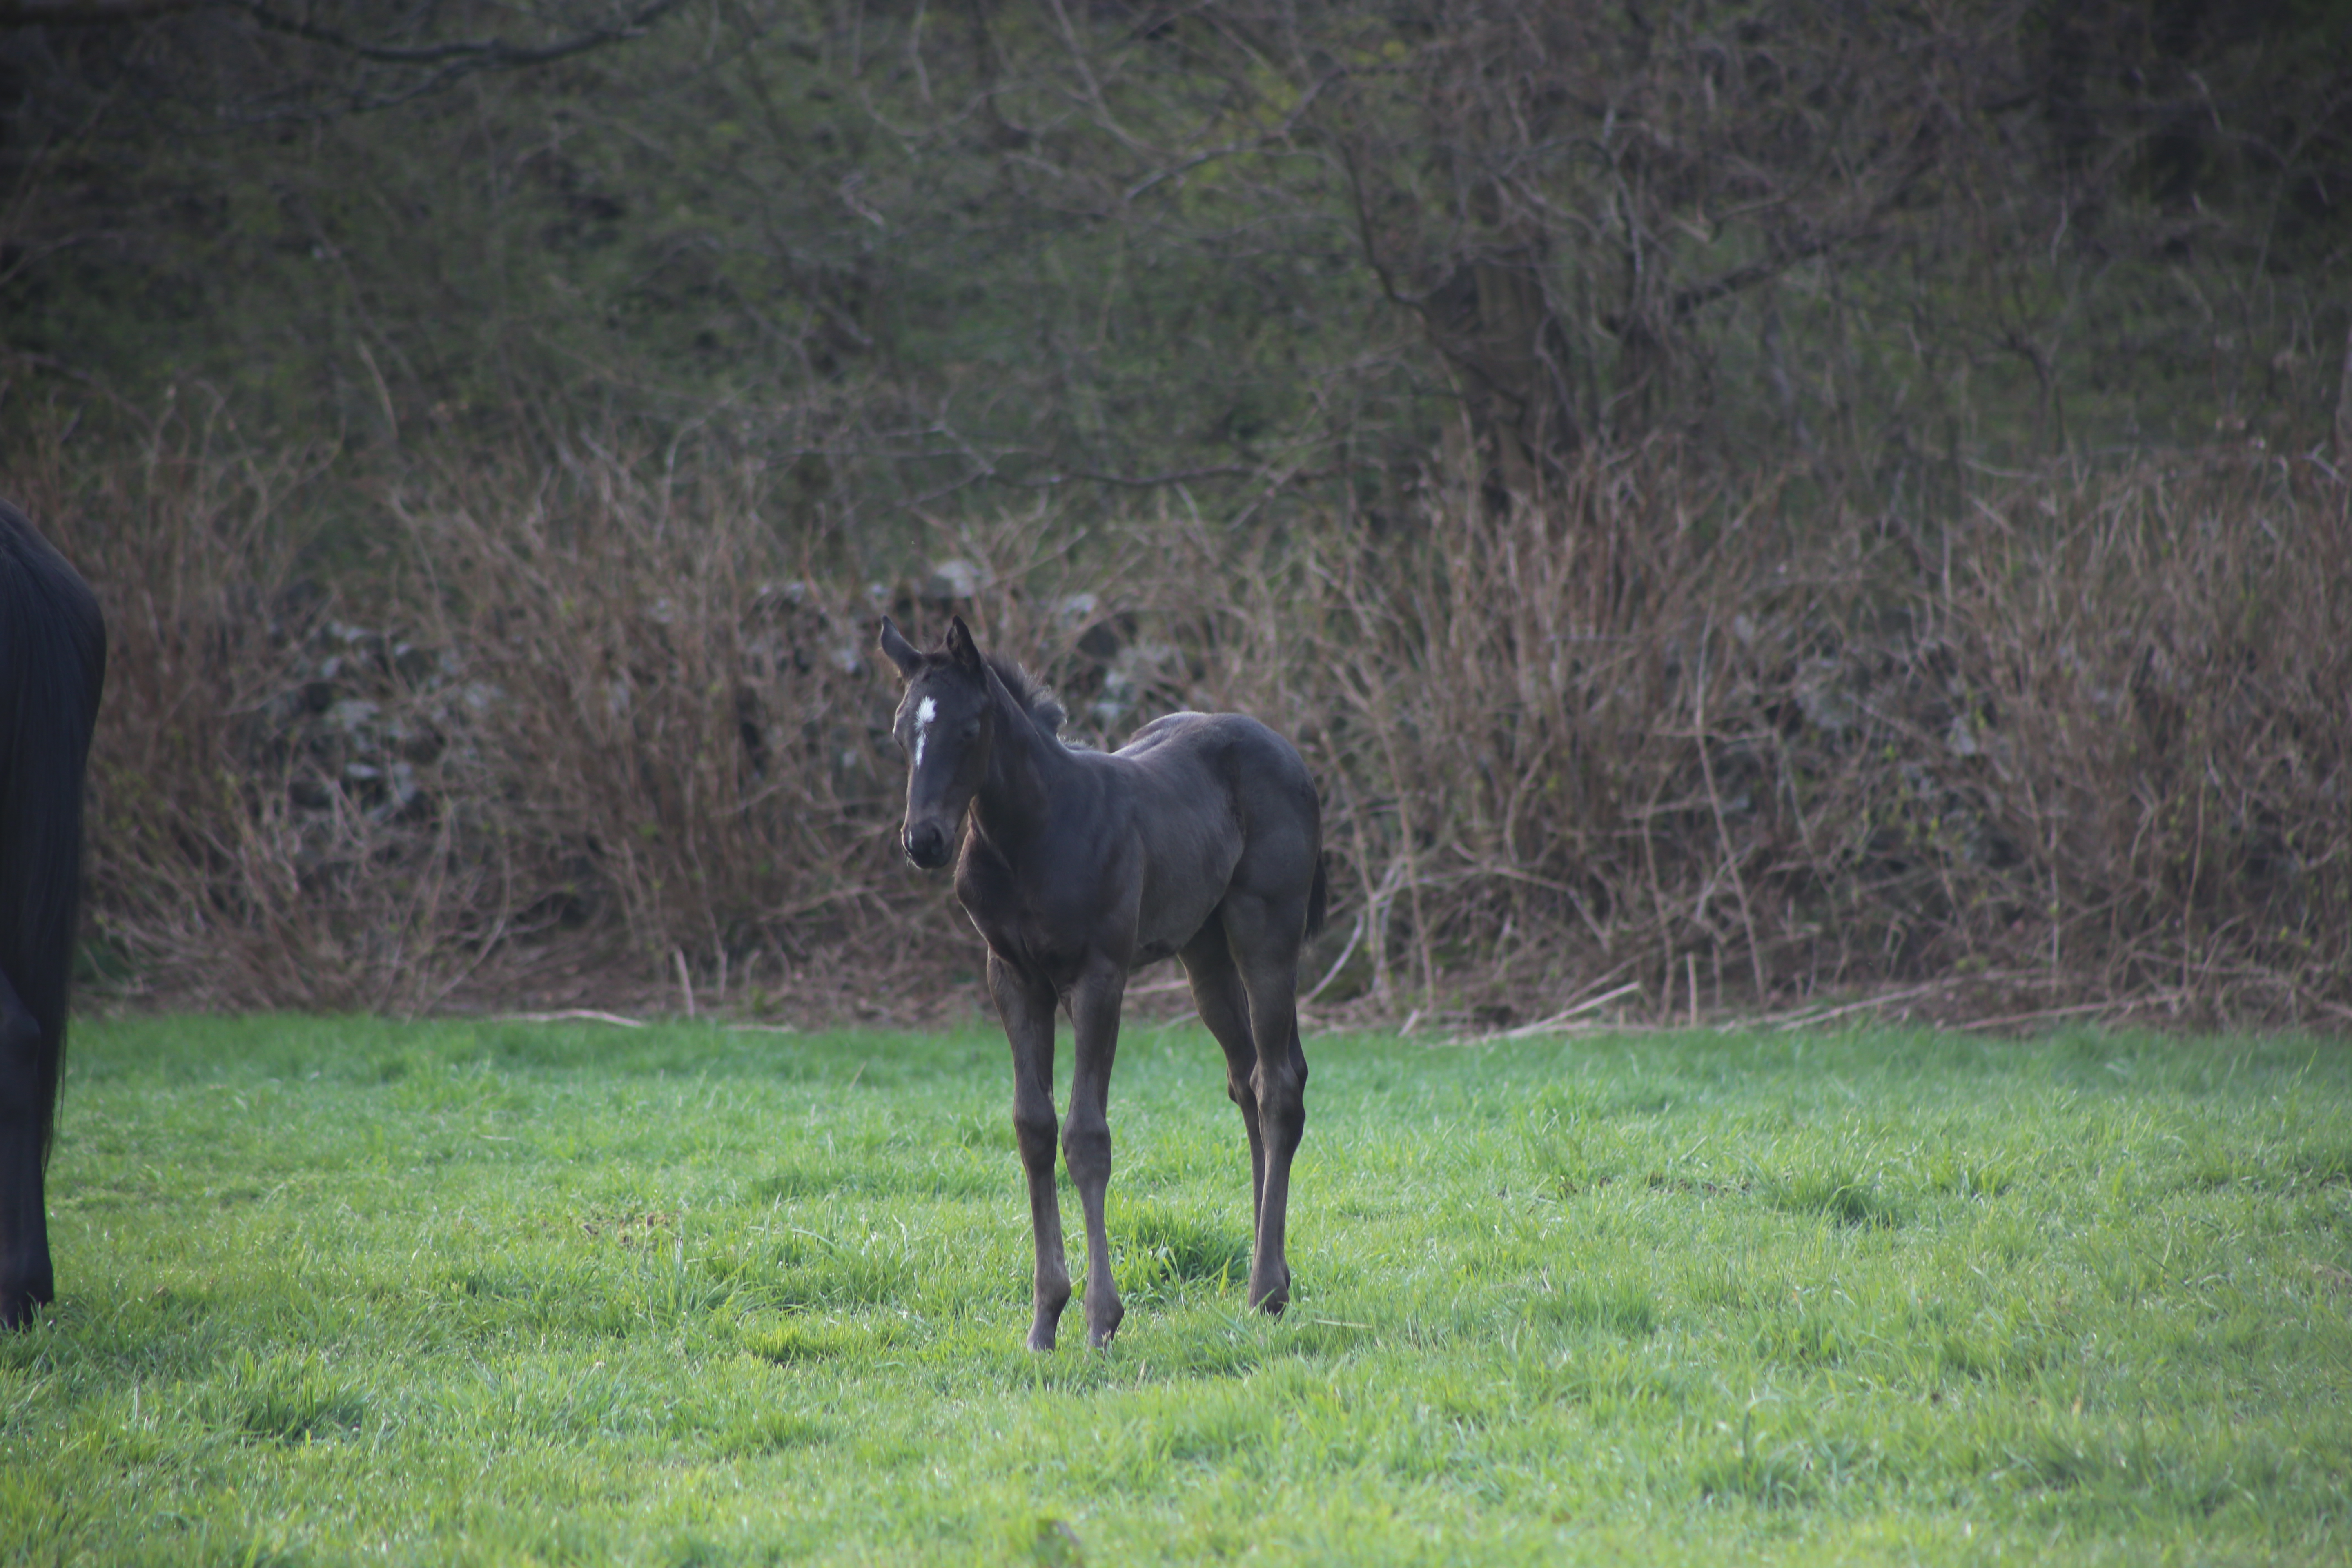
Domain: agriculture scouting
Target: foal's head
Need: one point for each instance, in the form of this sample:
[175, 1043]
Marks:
[947, 722]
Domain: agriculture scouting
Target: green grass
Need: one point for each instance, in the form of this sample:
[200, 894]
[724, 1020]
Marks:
[345, 1289]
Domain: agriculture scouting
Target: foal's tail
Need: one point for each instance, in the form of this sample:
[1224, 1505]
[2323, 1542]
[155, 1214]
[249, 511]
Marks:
[1318, 900]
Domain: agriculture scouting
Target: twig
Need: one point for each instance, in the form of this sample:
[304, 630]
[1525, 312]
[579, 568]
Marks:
[1244, 144]
[1355, 934]
[2071, 1012]
[1723, 833]
[1547, 1026]
[1791, 1020]
[2323, 1004]
[569, 1016]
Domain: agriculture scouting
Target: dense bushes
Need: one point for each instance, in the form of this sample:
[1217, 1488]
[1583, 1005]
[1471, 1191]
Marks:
[597, 725]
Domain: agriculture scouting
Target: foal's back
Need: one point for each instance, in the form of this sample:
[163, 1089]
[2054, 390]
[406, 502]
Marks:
[1259, 773]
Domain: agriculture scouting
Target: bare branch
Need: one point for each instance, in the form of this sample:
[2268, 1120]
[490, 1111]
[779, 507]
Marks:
[477, 54]
[93, 13]
[447, 60]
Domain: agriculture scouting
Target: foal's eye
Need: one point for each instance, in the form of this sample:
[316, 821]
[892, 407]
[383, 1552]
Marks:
[971, 727]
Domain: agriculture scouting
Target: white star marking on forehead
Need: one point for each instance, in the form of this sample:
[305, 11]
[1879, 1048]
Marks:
[924, 714]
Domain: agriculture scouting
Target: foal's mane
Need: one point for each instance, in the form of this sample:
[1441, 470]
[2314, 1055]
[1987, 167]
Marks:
[1035, 697]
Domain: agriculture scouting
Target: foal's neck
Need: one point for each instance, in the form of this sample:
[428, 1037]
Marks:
[1015, 804]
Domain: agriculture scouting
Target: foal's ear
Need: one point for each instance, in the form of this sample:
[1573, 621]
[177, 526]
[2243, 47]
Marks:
[902, 652]
[961, 649]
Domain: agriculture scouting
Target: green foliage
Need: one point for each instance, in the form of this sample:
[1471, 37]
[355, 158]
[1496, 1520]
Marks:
[482, 1292]
[899, 253]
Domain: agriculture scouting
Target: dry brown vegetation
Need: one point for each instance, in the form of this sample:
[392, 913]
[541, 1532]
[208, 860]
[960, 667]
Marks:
[596, 734]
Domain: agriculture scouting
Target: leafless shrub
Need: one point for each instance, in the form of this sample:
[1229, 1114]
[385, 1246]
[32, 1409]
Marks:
[680, 719]
[2090, 748]
[209, 878]
[2154, 671]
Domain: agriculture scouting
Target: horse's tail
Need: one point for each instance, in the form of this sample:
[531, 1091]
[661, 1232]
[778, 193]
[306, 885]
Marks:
[52, 663]
[1318, 900]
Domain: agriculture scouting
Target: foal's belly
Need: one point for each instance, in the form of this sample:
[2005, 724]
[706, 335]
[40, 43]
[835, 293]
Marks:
[1061, 951]
[1162, 931]
[1152, 953]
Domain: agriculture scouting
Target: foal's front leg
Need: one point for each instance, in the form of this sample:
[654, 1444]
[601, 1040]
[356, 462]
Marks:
[1026, 1005]
[1085, 1136]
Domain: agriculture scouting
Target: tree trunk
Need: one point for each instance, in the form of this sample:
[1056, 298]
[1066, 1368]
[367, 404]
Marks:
[1510, 355]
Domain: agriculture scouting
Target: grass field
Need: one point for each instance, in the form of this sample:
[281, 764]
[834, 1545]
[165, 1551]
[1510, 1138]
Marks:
[343, 1289]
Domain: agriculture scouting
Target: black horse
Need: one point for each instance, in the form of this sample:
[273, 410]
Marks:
[1201, 838]
[52, 661]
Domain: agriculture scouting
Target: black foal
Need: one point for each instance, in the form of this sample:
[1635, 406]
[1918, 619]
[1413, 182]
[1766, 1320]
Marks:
[1201, 838]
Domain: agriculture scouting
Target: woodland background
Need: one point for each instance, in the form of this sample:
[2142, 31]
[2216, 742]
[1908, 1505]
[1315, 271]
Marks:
[1745, 507]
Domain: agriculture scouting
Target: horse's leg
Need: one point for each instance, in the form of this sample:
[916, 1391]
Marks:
[1224, 1009]
[25, 1281]
[1085, 1135]
[1262, 936]
[1026, 1005]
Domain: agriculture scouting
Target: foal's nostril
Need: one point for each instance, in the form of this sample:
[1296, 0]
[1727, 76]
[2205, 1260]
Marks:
[925, 846]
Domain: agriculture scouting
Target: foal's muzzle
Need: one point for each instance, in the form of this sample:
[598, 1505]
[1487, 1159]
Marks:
[927, 844]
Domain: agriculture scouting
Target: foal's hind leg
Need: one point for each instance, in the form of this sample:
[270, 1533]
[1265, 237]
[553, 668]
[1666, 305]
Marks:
[1261, 940]
[1026, 1005]
[1224, 1007]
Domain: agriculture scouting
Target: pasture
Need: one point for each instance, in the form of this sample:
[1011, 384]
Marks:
[345, 1289]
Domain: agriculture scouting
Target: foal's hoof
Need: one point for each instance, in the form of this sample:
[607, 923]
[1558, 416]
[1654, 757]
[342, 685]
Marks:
[1053, 1295]
[1099, 1333]
[1274, 1297]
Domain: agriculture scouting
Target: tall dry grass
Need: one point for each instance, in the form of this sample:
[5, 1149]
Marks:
[595, 727]
[2088, 746]
[2159, 683]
